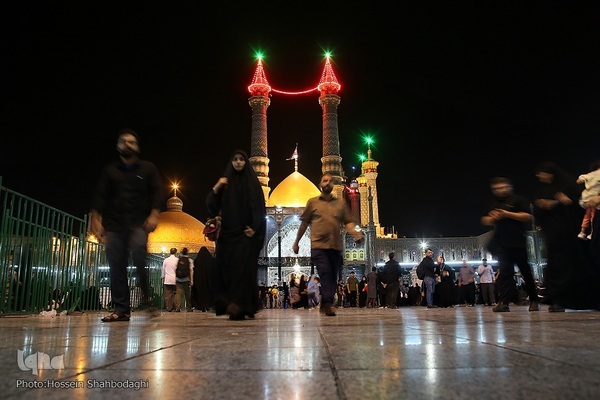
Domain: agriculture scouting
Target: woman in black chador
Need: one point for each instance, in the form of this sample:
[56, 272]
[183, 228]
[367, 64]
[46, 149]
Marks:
[202, 290]
[569, 279]
[445, 290]
[238, 198]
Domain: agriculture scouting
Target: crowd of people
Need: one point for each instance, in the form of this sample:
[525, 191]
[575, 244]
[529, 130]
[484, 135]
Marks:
[128, 198]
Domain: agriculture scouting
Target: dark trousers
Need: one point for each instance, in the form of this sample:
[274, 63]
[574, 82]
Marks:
[487, 293]
[119, 245]
[170, 297]
[505, 284]
[391, 294]
[467, 293]
[328, 263]
[352, 298]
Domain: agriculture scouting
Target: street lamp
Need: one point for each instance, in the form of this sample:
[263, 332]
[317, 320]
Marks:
[279, 220]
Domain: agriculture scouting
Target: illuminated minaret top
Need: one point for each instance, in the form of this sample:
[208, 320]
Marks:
[354, 200]
[329, 101]
[259, 101]
[368, 179]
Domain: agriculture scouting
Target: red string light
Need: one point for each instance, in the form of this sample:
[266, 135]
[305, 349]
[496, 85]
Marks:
[295, 93]
[260, 86]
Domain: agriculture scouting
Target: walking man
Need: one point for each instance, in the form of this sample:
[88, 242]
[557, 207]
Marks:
[125, 209]
[326, 215]
[508, 214]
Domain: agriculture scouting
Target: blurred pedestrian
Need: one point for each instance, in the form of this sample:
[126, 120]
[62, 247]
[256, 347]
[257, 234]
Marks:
[125, 209]
[591, 180]
[569, 279]
[509, 214]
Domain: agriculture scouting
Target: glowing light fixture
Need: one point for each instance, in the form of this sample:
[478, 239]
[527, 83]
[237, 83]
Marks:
[261, 87]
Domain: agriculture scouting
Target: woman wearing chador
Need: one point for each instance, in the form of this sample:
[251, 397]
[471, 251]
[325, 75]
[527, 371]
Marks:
[445, 289]
[570, 280]
[238, 198]
[202, 290]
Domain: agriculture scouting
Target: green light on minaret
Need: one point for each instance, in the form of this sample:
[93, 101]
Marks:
[369, 140]
[362, 157]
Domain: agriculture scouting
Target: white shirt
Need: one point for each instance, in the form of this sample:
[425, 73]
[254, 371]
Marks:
[486, 273]
[168, 270]
[592, 185]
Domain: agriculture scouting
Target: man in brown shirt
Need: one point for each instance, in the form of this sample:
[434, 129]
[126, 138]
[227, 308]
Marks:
[326, 215]
[352, 285]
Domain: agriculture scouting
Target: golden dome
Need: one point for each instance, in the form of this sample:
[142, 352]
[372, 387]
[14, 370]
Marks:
[177, 229]
[293, 191]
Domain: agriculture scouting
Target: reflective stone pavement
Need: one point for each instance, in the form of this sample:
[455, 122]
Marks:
[408, 353]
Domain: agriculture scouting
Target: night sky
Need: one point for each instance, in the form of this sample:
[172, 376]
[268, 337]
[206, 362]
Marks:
[453, 93]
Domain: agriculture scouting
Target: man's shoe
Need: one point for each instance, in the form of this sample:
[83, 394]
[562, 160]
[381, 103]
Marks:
[152, 310]
[501, 307]
[114, 317]
[328, 311]
[534, 306]
[432, 306]
[556, 308]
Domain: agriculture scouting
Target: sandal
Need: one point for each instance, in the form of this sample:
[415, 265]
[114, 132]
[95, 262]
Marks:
[114, 317]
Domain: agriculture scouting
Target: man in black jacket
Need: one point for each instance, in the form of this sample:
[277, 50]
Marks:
[391, 281]
[510, 215]
[125, 209]
[429, 279]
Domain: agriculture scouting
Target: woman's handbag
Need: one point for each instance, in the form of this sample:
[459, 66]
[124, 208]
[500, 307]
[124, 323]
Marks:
[212, 228]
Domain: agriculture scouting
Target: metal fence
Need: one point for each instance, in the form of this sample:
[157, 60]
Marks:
[48, 263]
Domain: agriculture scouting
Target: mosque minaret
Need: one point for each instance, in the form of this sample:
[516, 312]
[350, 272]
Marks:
[368, 179]
[259, 102]
[329, 101]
